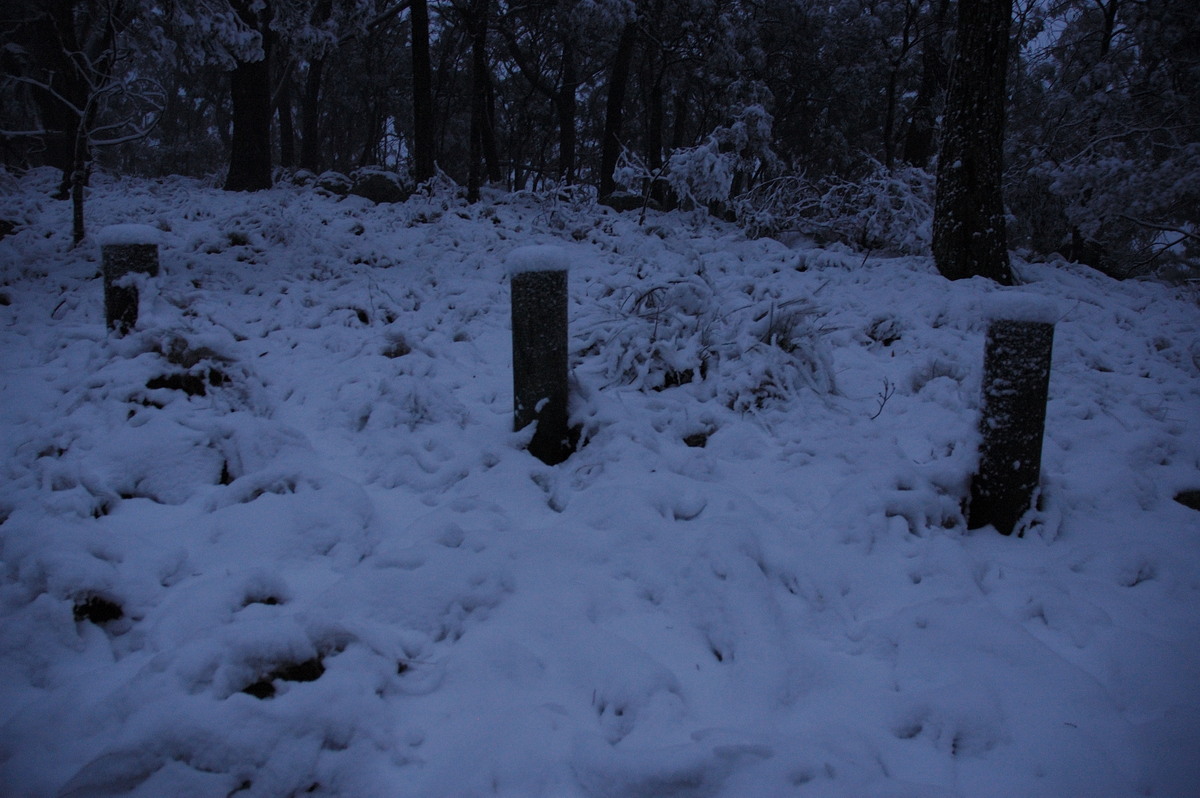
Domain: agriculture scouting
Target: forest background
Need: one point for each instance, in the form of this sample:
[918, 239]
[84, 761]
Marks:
[784, 115]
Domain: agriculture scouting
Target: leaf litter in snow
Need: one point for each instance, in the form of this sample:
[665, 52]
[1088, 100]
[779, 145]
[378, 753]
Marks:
[281, 539]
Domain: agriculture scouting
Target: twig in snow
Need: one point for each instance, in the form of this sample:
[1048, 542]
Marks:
[888, 389]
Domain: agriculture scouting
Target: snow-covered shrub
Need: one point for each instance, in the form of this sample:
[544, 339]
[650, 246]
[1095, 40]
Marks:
[683, 332]
[570, 207]
[889, 210]
[789, 353]
[656, 338]
[439, 192]
[782, 204]
[635, 175]
[701, 174]
[705, 174]
[1137, 215]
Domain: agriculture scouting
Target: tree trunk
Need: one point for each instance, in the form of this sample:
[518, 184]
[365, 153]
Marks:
[969, 236]
[491, 155]
[566, 115]
[889, 119]
[287, 128]
[679, 127]
[310, 125]
[250, 91]
[919, 144]
[610, 148]
[479, 103]
[654, 135]
[423, 157]
[79, 172]
[483, 153]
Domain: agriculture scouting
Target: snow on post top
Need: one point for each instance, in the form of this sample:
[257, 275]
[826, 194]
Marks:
[537, 258]
[1021, 306]
[121, 234]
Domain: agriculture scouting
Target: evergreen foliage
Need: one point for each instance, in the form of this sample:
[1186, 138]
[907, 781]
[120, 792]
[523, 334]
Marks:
[738, 106]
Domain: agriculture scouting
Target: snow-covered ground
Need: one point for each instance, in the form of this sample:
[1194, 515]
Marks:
[337, 571]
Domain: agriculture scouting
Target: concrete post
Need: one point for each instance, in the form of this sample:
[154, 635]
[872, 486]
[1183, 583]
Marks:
[126, 249]
[1016, 379]
[539, 335]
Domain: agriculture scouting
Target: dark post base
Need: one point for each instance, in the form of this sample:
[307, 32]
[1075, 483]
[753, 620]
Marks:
[1016, 379]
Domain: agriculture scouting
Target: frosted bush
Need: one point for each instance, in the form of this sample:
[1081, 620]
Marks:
[889, 210]
[683, 332]
[702, 174]
[706, 173]
[783, 204]
[1138, 216]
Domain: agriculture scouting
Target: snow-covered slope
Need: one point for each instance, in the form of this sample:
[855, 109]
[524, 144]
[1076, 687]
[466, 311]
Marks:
[338, 573]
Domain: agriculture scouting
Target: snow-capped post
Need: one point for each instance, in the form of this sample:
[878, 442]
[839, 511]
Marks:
[1016, 380]
[539, 341]
[126, 250]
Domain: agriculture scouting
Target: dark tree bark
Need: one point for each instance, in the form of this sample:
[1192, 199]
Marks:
[610, 148]
[893, 85]
[310, 120]
[566, 107]
[287, 127]
[310, 124]
[919, 143]
[889, 119]
[479, 113]
[491, 152]
[250, 91]
[78, 181]
[483, 152]
[654, 138]
[423, 155]
[969, 236]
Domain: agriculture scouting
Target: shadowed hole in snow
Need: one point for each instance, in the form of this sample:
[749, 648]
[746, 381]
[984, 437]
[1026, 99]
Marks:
[98, 610]
[191, 384]
[269, 600]
[307, 671]
[1189, 498]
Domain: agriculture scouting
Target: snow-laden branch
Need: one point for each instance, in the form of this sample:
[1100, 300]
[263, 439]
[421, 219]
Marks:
[48, 88]
[1186, 235]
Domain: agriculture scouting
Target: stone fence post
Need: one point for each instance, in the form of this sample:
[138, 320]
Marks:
[539, 336]
[126, 250]
[1016, 380]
